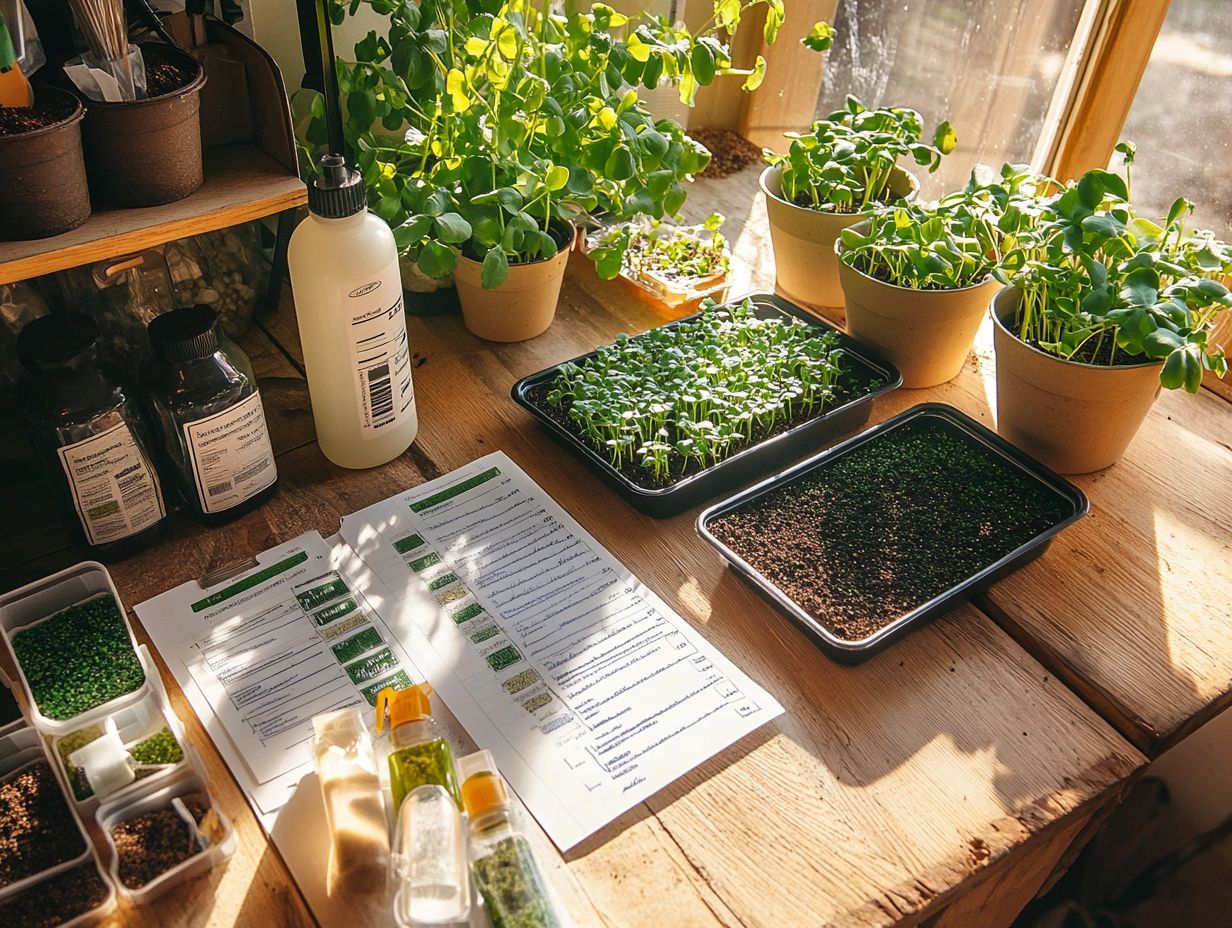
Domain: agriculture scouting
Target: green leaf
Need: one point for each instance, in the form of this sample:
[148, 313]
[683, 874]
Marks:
[945, 139]
[412, 231]
[1183, 368]
[558, 176]
[495, 268]
[620, 164]
[452, 228]
[819, 38]
[756, 76]
[437, 259]
[775, 13]
[701, 61]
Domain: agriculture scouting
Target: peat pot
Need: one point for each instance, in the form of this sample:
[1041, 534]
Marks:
[926, 334]
[520, 308]
[148, 152]
[805, 266]
[44, 189]
[1074, 417]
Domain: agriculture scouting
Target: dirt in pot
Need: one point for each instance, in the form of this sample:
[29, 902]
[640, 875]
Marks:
[18, 120]
[878, 531]
[163, 77]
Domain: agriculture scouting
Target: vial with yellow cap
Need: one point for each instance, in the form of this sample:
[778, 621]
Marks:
[514, 891]
[418, 752]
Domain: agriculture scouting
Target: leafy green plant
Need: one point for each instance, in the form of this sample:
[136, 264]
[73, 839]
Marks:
[670, 252]
[845, 163]
[483, 127]
[1103, 285]
[954, 243]
[694, 393]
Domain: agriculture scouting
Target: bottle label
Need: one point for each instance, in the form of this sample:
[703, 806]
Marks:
[380, 356]
[114, 487]
[232, 459]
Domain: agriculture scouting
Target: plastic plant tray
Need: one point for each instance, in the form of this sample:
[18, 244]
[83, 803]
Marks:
[189, 782]
[18, 751]
[20, 721]
[747, 464]
[671, 293]
[39, 601]
[942, 416]
[134, 723]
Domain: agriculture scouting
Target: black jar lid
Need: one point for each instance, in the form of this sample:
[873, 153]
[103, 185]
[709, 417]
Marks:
[60, 341]
[186, 334]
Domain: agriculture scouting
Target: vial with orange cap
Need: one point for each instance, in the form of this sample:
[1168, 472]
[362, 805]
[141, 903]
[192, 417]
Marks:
[418, 753]
[515, 893]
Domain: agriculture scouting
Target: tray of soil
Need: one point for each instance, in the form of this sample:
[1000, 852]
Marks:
[871, 538]
[44, 190]
[696, 407]
[39, 833]
[73, 897]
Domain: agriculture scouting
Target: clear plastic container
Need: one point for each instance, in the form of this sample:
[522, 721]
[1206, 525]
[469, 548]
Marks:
[429, 861]
[350, 780]
[216, 828]
[35, 603]
[18, 751]
[52, 886]
[135, 724]
[8, 696]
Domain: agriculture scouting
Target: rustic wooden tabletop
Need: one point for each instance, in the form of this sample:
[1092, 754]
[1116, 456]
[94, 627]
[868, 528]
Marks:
[943, 782]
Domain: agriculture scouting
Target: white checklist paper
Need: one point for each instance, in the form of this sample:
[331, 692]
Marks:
[589, 690]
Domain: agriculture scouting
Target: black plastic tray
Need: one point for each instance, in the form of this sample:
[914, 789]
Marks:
[855, 651]
[744, 465]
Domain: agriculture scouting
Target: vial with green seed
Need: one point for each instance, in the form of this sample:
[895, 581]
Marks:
[416, 749]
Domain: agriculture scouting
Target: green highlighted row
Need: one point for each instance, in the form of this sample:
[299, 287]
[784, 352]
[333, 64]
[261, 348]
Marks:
[249, 582]
[336, 611]
[456, 490]
[310, 599]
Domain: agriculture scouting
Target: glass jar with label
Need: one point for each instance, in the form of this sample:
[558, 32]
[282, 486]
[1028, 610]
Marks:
[209, 415]
[85, 422]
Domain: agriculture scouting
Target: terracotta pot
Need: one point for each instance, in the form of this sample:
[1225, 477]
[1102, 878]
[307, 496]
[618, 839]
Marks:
[1076, 418]
[520, 308]
[148, 152]
[44, 190]
[805, 266]
[926, 334]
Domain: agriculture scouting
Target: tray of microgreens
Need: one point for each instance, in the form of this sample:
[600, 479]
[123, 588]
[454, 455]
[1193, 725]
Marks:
[695, 407]
[675, 264]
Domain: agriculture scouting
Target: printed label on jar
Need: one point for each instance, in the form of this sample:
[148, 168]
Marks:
[114, 487]
[380, 355]
[231, 455]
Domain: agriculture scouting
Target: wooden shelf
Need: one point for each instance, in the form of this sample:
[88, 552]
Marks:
[242, 183]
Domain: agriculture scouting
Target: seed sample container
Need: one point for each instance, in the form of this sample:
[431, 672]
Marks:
[151, 733]
[39, 834]
[74, 897]
[864, 364]
[156, 842]
[870, 539]
[75, 652]
[11, 718]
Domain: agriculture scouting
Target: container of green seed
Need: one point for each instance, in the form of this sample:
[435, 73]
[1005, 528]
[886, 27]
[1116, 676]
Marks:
[75, 652]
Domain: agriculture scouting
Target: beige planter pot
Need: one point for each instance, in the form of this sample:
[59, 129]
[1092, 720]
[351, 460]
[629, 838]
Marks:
[520, 308]
[805, 266]
[1076, 418]
[926, 334]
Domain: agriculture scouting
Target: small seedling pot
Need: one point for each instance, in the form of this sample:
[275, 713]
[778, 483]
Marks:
[148, 152]
[805, 266]
[926, 334]
[520, 308]
[1076, 418]
[44, 191]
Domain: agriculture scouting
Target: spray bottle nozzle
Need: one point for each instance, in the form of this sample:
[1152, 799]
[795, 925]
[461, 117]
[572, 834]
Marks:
[334, 173]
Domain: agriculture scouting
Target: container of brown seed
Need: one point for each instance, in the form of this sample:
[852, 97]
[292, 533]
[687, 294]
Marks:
[163, 838]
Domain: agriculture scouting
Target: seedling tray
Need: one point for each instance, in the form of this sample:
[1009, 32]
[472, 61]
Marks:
[1064, 498]
[747, 463]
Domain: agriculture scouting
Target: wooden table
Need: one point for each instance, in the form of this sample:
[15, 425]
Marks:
[941, 783]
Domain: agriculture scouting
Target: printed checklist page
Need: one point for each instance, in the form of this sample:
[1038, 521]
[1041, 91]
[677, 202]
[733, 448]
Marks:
[591, 692]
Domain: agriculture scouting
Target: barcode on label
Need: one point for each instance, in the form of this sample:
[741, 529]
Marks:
[224, 487]
[380, 393]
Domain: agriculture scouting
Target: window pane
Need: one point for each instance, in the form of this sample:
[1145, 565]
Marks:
[989, 66]
[1181, 119]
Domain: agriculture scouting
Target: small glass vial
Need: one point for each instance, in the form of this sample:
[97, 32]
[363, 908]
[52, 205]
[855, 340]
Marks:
[416, 751]
[514, 891]
[209, 414]
[429, 860]
[86, 424]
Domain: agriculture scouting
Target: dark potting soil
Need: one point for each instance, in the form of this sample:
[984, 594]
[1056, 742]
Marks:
[18, 120]
[730, 152]
[855, 381]
[55, 901]
[150, 844]
[879, 531]
[162, 77]
[37, 830]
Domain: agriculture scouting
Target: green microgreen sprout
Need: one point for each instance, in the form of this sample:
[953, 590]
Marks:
[674, 253]
[696, 392]
[1103, 285]
[954, 243]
